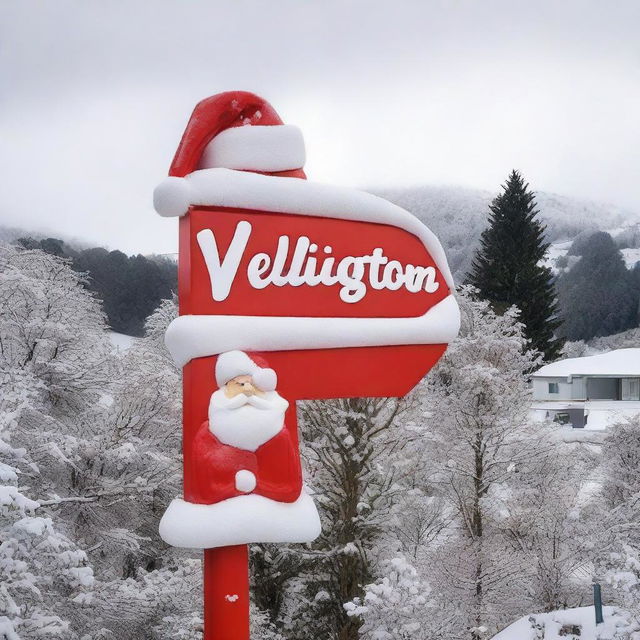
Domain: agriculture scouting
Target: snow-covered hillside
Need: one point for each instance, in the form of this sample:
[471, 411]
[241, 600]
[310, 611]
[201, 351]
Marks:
[458, 216]
[559, 259]
[120, 341]
[11, 234]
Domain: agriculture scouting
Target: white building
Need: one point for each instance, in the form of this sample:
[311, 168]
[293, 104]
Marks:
[591, 392]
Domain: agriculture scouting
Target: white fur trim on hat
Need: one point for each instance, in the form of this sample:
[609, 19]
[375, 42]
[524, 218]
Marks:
[265, 379]
[256, 148]
[237, 363]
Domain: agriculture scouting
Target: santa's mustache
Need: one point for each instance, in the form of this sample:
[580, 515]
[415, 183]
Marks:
[242, 400]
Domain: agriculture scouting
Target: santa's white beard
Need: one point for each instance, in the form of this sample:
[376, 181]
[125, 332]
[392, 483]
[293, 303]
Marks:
[246, 422]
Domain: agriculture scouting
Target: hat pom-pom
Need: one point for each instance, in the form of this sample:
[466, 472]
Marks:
[265, 379]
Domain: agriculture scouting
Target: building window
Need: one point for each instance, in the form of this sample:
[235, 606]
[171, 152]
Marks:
[562, 418]
[630, 389]
[553, 387]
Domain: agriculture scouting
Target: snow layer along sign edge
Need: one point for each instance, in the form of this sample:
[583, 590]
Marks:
[198, 336]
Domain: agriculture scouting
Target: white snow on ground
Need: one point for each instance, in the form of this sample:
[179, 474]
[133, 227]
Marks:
[557, 625]
[621, 362]
[583, 436]
[120, 341]
[601, 414]
[559, 251]
[556, 251]
[631, 256]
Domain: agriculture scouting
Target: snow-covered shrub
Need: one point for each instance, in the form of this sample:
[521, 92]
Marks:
[398, 606]
[45, 577]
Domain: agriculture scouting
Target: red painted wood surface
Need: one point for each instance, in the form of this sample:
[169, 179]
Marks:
[275, 465]
[226, 593]
[345, 237]
[311, 375]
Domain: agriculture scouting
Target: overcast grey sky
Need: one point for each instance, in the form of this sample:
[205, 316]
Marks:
[95, 96]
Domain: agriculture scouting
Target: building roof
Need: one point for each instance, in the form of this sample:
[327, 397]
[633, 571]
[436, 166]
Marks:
[621, 362]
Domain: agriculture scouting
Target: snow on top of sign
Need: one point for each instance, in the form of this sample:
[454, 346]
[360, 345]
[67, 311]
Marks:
[256, 148]
[621, 362]
[194, 336]
[244, 519]
[245, 190]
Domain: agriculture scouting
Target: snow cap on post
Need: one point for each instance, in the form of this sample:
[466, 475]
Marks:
[237, 363]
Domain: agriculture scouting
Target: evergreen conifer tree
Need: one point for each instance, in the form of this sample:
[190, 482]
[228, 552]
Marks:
[506, 269]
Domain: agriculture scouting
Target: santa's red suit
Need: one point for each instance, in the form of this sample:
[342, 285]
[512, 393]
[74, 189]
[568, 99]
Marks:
[245, 479]
[275, 465]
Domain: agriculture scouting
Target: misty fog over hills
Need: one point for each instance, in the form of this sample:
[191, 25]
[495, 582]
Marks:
[457, 216]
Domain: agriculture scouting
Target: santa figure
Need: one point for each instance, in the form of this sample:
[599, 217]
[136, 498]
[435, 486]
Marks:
[244, 446]
[247, 479]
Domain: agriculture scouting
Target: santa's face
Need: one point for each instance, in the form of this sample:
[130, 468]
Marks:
[246, 420]
[241, 384]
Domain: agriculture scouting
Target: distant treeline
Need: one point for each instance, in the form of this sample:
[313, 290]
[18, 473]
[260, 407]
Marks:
[130, 287]
[597, 294]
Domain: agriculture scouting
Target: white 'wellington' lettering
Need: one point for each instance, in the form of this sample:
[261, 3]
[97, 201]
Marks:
[222, 274]
[350, 272]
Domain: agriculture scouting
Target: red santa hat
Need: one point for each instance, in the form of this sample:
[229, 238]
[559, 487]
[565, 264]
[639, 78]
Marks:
[239, 130]
[237, 363]
[233, 130]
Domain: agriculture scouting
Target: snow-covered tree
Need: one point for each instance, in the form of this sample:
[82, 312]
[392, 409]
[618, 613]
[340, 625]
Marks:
[98, 433]
[620, 560]
[124, 486]
[477, 435]
[134, 440]
[274, 568]
[46, 580]
[548, 516]
[52, 327]
[352, 450]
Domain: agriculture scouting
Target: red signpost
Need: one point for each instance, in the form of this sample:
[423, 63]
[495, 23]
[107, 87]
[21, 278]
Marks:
[344, 286]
